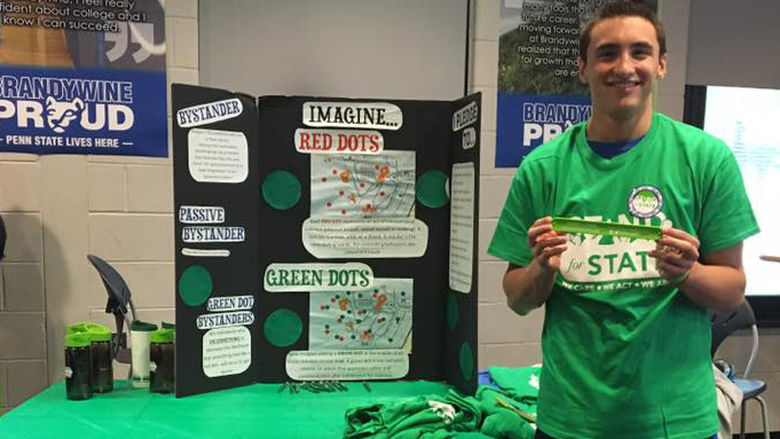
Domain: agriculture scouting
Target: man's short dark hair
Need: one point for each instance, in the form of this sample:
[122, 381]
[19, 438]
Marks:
[622, 9]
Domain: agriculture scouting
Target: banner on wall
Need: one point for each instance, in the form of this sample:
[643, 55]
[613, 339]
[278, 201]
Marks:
[83, 77]
[539, 91]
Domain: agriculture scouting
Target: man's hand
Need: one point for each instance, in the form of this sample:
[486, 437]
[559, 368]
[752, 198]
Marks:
[529, 287]
[676, 254]
[546, 244]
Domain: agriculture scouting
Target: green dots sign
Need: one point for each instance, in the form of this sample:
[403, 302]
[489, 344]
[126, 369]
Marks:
[195, 285]
[466, 361]
[452, 311]
[282, 328]
[431, 189]
[281, 190]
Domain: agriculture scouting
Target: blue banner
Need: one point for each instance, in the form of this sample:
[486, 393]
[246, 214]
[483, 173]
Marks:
[539, 90]
[55, 111]
[526, 121]
[83, 77]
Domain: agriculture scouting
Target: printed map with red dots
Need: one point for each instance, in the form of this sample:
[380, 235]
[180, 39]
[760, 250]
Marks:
[377, 318]
[363, 186]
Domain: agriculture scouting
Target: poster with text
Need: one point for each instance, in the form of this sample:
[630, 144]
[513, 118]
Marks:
[83, 77]
[216, 238]
[324, 239]
[539, 91]
[356, 219]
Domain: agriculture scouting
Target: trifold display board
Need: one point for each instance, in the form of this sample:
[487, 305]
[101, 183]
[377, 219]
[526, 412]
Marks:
[324, 239]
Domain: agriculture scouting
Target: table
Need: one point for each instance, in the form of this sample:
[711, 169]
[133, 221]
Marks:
[256, 411]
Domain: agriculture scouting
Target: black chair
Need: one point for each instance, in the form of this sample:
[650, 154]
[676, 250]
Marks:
[118, 300]
[723, 324]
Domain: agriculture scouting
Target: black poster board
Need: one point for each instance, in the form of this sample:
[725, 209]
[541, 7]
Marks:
[332, 264]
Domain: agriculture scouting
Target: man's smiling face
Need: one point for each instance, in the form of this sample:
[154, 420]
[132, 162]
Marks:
[622, 64]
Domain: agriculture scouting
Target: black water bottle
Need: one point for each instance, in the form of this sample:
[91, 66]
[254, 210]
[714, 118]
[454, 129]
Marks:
[102, 362]
[78, 369]
[162, 361]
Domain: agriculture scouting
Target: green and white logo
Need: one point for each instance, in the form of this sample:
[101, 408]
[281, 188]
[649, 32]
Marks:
[645, 201]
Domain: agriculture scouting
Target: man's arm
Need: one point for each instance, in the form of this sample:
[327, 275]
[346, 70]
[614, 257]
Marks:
[718, 281]
[715, 280]
[529, 287]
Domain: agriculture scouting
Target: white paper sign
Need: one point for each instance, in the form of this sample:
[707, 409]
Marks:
[320, 141]
[465, 116]
[203, 253]
[201, 214]
[352, 186]
[226, 351]
[379, 317]
[317, 277]
[462, 227]
[209, 113]
[367, 238]
[212, 234]
[378, 115]
[230, 303]
[217, 156]
[469, 138]
[224, 319]
[377, 364]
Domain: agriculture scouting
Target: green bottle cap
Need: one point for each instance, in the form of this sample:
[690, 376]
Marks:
[76, 328]
[77, 340]
[95, 327]
[99, 332]
[138, 325]
[95, 331]
[163, 336]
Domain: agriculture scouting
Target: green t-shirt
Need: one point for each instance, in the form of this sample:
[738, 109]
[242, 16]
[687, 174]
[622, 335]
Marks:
[625, 355]
[430, 417]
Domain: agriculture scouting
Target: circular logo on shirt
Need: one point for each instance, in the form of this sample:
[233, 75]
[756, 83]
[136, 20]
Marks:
[645, 201]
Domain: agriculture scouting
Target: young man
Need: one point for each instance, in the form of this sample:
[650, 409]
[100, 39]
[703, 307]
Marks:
[626, 334]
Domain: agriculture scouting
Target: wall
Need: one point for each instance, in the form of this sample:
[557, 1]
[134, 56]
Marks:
[510, 340]
[59, 208]
[405, 49]
[746, 32]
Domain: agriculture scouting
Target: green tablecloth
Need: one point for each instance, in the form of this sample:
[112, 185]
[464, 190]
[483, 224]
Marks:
[255, 411]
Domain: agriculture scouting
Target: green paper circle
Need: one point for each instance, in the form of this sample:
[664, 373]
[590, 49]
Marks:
[195, 285]
[452, 311]
[282, 328]
[431, 189]
[281, 190]
[466, 361]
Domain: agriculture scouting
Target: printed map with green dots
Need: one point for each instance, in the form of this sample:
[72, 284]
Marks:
[377, 318]
[363, 186]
